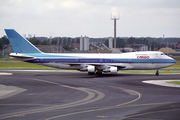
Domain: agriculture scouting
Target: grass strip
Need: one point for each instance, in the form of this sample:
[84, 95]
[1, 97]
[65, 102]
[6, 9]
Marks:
[8, 59]
[21, 65]
[147, 71]
[174, 82]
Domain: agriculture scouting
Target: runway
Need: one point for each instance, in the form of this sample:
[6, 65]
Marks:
[42, 95]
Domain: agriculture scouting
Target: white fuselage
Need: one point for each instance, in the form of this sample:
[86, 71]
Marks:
[125, 61]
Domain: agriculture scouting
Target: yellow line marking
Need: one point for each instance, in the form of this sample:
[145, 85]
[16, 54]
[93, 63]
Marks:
[99, 109]
[19, 115]
[91, 97]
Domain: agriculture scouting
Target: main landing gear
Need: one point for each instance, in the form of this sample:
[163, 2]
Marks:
[157, 72]
[99, 73]
[95, 73]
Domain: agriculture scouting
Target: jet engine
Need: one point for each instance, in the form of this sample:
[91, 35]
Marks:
[91, 69]
[112, 70]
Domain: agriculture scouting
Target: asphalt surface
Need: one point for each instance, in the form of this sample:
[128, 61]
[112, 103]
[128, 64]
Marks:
[78, 96]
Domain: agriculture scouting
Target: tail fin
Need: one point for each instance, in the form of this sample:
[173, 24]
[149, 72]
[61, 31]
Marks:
[20, 44]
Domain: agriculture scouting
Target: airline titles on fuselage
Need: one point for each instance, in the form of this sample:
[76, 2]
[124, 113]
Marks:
[143, 57]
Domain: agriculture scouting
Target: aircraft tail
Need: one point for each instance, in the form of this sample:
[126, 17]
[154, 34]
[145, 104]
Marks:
[20, 44]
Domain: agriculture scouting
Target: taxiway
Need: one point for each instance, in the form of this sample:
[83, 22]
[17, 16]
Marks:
[43, 95]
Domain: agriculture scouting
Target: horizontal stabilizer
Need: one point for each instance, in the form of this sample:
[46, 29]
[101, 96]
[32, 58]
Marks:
[20, 56]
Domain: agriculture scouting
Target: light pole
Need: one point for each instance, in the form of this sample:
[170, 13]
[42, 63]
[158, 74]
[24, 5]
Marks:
[114, 18]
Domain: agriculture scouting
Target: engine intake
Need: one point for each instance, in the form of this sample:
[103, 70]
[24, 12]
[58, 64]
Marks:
[91, 69]
[112, 70]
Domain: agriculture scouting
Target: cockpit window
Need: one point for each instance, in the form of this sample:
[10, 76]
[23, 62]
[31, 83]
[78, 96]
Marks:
[162, 54]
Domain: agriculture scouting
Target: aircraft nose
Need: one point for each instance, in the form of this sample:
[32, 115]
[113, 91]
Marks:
[174, 61]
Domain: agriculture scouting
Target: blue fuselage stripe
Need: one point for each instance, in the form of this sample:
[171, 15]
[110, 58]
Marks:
[99, 60]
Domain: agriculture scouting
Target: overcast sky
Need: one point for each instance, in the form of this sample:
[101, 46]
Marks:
[92, 18]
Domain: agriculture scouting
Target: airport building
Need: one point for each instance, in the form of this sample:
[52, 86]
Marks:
[110, 42]
[84, 43]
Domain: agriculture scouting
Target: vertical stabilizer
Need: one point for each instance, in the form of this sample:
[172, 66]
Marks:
[20, 44]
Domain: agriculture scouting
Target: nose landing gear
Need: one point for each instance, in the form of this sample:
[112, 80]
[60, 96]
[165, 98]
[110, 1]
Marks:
[157, 72]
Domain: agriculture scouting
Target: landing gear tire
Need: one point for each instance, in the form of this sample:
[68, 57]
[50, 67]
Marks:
[157, 72]
[90, 73]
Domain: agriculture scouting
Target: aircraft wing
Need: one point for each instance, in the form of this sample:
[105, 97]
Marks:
[111, 65]
[98, 66]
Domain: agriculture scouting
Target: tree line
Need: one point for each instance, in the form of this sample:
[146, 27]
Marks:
[152, 43]
[120, 42]
[54, 41]
[65, 42]
[3, 42]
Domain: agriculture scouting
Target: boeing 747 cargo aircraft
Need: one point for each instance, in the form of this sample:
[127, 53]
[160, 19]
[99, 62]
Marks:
[92, 63]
